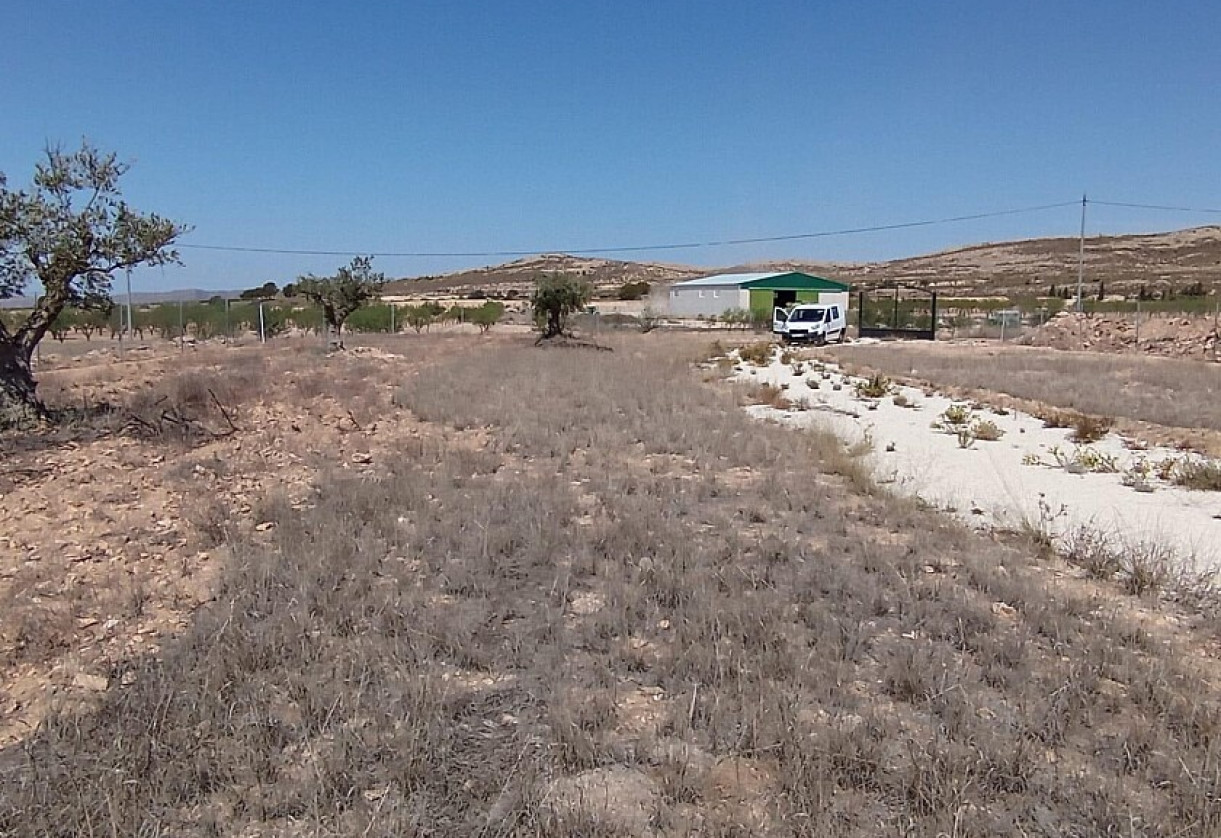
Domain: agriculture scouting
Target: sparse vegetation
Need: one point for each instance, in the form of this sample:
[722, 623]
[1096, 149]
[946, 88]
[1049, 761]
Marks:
[1172, 392]
[582, 594]
[758, 353]
[877, 386]
[1197, 473]
[987, 430]
[1087, 429]
[771, 396]
[956, 416]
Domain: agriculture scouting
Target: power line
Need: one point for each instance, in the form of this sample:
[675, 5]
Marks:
[877, 228]
[1152, 206]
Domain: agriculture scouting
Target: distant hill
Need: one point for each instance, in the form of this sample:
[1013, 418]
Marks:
[1157, 261]
[519, 274]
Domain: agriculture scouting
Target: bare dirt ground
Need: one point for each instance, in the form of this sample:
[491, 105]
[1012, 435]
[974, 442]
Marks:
[113, 537]
[450, 585]
[1172, 336]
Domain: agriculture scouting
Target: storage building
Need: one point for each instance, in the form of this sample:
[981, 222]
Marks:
[711, 296]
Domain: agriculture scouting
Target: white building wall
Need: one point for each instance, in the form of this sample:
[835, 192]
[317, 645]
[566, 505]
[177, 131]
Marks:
[831, 298]
[708, 300]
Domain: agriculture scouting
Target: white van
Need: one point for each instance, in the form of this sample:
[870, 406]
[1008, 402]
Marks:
[818, 323]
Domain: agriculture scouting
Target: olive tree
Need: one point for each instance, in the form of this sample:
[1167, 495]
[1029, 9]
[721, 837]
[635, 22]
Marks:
[340, 295]
[69, 232]
[486, 316]
[556, 296]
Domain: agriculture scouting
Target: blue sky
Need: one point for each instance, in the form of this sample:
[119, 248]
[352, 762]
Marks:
[455, 126]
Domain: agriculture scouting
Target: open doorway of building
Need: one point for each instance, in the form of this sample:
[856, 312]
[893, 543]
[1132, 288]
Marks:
[784, 299]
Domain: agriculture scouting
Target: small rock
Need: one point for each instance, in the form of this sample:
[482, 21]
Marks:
[91, 682]
[1004, 609]
[264, 526]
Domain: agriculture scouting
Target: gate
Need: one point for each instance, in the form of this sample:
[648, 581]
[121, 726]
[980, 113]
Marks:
[897, 310]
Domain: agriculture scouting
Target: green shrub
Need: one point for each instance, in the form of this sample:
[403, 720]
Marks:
[633, 290]
[956, 415]
[874, 387]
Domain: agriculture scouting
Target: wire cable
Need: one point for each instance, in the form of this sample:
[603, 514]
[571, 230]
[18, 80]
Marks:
[1151, 206]
[877, 228]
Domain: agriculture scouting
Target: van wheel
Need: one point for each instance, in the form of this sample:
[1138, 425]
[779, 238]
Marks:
[843, 336]
[821, 340]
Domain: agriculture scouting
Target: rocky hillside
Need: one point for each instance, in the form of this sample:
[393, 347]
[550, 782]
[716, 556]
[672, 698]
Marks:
[519, 274]
[1158, 261]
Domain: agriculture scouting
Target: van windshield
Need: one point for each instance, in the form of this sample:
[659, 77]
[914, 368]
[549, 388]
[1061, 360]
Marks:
[808, 315]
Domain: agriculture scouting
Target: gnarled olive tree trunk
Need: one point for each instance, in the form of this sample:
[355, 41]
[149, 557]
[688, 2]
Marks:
[19, 405]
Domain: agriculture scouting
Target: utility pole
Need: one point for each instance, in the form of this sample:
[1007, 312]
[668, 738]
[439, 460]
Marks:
[130, 327]
[1081, 258]
[182, 329]
[262, 329]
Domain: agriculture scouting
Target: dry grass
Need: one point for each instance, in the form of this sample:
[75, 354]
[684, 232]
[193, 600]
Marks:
[598, 600]
[1200, 475]
[758, 353]
[1087, 429]
[1176, 393]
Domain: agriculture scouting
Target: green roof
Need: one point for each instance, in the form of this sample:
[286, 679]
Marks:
[795, 281]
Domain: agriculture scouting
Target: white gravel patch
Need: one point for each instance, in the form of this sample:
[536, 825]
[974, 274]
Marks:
[993, 483]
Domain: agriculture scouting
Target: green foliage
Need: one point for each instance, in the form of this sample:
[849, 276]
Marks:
[556, 297]
[275, 321]
[956, 415]
[424, 315]
[267, 291]
[372, 319]
[633, 290]
[70, 232]
[486, 316]
[344, 293]
[874, 387]
[164, 320]
[305, 317]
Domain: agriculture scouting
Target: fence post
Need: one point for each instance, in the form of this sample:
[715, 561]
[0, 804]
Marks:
[1137, 345]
